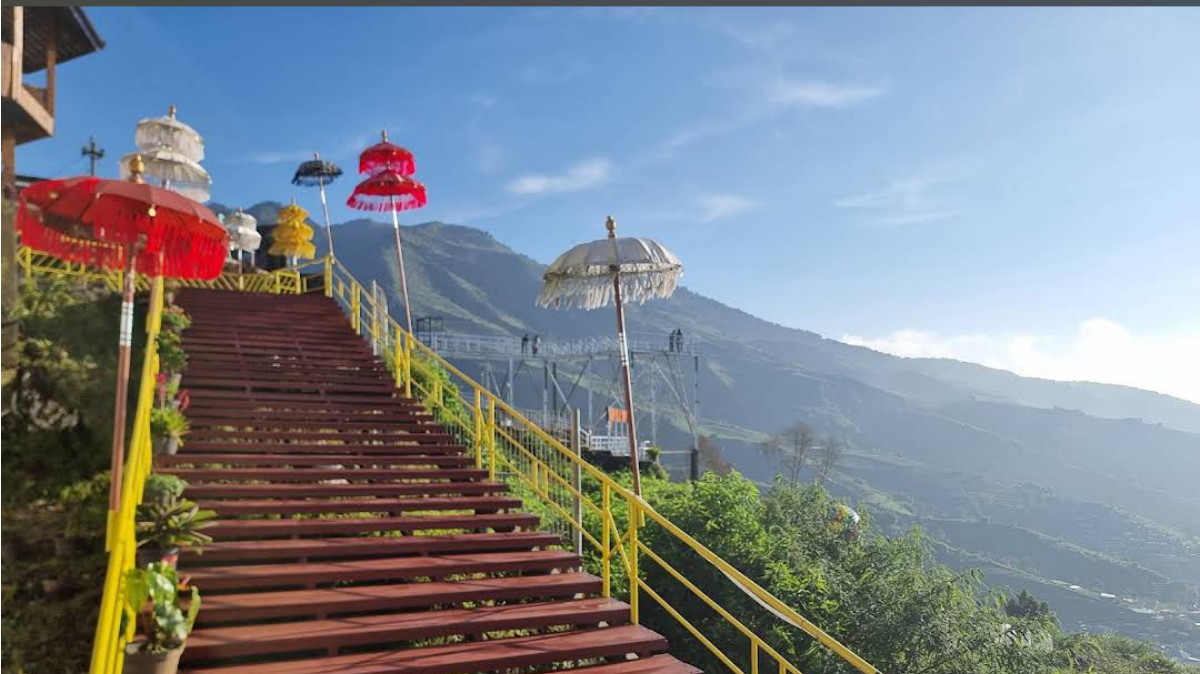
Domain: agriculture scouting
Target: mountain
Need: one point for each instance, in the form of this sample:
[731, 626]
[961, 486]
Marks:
[1047, 484]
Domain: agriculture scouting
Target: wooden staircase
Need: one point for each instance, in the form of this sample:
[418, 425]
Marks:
[355, 535]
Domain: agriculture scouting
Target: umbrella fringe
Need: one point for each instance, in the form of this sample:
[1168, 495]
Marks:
[592, 292]
[383, 204]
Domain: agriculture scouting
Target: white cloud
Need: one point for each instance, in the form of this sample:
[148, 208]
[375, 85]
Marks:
[906, 201]
[584, 175]
[717, 206]
[1101, 350]
[813, 93]
[770, 99]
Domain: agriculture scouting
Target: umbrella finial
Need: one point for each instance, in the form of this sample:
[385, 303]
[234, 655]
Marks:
[171, 110]
[136, 168]
[316, 155]
[611, 226]
[384, 134]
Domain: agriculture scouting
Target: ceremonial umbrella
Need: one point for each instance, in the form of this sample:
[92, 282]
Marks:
[386, 156]
[614, 270]
[319, 172]
[243, 233]
[172, 152]
[131, 226]
[388, 190]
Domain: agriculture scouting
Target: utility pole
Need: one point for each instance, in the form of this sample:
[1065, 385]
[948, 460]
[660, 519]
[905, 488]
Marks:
[90, 150]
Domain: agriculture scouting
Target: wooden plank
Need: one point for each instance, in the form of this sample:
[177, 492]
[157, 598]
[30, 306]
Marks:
[219, 578]
[272, 528]
[313, 474]
[354, 505]
[242, 641]
[374, 546]
[472, 657]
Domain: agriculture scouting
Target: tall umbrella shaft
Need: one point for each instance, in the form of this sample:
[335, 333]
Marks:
[325, 208]
[623, 348]
[400, 268]
[124, 344]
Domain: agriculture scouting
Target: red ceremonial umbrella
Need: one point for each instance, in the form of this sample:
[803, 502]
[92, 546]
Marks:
[131, 226]
[385, 156]
[389, 190]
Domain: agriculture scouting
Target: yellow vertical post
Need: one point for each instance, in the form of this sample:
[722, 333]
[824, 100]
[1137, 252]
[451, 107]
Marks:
[328, 276]
[278, 284]
[606, 538]
[492, 439]
[408, 356]
[478, 429]
[635, 515]
[355, 319]
[397, 361]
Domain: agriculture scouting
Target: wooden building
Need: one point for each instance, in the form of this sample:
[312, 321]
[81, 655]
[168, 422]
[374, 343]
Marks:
[36, 41]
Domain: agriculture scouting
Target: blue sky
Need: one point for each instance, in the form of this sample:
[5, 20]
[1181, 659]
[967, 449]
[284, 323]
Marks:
[1017, 187]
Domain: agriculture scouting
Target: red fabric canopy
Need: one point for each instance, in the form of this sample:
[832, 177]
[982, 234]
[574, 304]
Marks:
[96, 222]
[386, 156]
[387, 191]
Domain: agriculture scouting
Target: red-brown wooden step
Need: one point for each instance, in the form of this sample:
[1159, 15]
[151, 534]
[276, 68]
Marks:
[210, 579]
[264, 459]
[311, 474]
[655, 664]
[294, 490]
[354, 505]
[471, 657]
[273, 528]
[370, 546]
[337, 451]
[232, 642]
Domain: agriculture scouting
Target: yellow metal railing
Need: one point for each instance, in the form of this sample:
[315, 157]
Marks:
[539, 465]
[283, 281]
[509, 446]
[110, 639]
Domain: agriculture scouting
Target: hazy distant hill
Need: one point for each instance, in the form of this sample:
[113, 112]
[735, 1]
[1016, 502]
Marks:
[1107, 475]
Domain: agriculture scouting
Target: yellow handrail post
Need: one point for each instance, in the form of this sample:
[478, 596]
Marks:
[278, 283]
[492, 439]
[355, 308]
[606, 538]
[328, 276]
[397, 359]
[408, 356]
[635, 514]
[478, 436]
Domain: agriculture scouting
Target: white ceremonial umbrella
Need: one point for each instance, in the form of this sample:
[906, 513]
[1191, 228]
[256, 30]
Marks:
[613, 270]
[172, 152]
[243, 233]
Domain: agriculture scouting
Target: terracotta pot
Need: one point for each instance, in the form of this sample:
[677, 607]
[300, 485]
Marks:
[139, 662]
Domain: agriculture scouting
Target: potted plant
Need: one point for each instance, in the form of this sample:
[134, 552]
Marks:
[172, 359]
[167, 525]
[152, 600]
[175, 319]
[167, 427]
[164, 489]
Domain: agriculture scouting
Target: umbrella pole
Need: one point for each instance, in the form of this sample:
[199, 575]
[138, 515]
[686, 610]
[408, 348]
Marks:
[325, 208]
[400, 264]
[623, 348]
[124, 343]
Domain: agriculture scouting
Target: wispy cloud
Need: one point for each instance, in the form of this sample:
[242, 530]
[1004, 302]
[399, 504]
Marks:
[818, 94]
[771, 99]
[582, 176]
[906, 201]
[347, 149]
[484, 101]
[718, 206]
[1100, 350]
